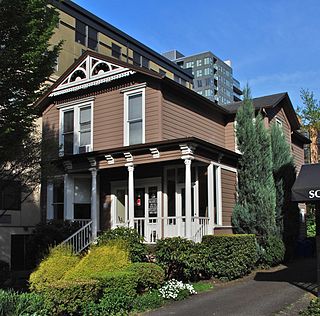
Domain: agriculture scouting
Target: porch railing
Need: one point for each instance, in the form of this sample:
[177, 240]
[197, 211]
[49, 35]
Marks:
[154, 228]
[81, 239]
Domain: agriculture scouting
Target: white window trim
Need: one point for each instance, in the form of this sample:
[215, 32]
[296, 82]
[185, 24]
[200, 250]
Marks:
[126, 96]
[76, 125]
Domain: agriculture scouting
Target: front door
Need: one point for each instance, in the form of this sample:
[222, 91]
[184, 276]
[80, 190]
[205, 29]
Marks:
[147, 206]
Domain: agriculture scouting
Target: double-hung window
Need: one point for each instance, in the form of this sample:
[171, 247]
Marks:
[134, 125]
[76, 129]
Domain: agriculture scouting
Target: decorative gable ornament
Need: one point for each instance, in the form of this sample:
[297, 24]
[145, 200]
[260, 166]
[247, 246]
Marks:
[91, 72]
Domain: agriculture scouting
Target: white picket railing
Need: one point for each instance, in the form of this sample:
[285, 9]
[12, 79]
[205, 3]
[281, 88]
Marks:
[81, 239]
[154, 228]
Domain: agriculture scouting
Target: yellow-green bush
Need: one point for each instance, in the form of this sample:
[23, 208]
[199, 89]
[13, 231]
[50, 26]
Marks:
[98, 261]
[53, 268]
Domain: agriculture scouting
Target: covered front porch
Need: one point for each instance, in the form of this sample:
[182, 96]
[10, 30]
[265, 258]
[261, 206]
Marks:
[168, 194]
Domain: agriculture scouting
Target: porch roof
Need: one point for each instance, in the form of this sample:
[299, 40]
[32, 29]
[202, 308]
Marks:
[210, 150]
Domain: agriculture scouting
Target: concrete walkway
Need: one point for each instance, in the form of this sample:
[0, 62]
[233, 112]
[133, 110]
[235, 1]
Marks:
[264, 293]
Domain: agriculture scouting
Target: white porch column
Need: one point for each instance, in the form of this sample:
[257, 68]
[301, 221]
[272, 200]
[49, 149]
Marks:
[68, 197]
[94, 209]
[50, 210]
[210, 198]
[219, 195]
[188, 197]
[130, 167]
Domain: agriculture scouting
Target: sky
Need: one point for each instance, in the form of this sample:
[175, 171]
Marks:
[274, 45]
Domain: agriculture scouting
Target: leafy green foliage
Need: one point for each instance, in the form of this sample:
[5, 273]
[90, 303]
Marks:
[149, 275]
[26, 61]
[310, 118]
[254, 212]
[70, 297]
[271, 251]
[53, 268]
[148, 301]
[181, 259]
[99, 260]
[25, 304]
[313, 309]
[137, 249]
[48, 235]
[284, 173]
[311, 221]
[230, 256]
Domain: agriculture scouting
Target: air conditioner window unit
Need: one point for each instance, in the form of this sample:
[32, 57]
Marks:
[84, 149]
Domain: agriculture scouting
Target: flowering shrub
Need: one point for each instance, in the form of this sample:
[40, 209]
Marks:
[176, 290]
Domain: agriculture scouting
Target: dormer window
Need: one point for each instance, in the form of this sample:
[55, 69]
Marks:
[76, 129]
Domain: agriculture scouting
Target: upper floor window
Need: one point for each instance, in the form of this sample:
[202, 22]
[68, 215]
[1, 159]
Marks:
[199, 62]
[134, 112]
[199, 73]
[76, 129]
[86, 35]
[207, 61]
[189, 64]
[116, 51]
[207, 71]
[10, 195]
[279, 122]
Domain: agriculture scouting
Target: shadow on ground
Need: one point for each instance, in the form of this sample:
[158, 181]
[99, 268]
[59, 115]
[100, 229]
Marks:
[301, 273]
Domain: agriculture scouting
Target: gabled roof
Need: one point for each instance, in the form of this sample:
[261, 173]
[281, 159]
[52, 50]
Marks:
[269, 102]
[84, 73]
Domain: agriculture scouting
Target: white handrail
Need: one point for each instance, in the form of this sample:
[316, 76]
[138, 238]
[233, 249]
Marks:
[81, 239]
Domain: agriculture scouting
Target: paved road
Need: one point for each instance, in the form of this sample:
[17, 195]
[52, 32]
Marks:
[267, 293]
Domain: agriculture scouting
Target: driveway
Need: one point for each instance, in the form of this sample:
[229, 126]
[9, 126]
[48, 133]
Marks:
[264, 293]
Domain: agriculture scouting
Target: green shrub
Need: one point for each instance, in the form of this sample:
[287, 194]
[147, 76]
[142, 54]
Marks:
[7, 302]
[119, 281]
[230, 256]
[60, 260]
[70, 297]
[313, 309]
[137, 249]
[147, 301]
[181, 259]
[48, 235]
[99, 260]
[149, 275]
[271, 252]
[25, 304]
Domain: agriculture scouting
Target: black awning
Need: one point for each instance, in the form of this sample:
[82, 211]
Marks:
[307, 185]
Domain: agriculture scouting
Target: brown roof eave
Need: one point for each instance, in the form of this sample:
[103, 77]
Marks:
[161, 145]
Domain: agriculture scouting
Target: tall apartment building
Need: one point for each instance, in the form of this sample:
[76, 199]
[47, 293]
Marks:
[213, 77]
[81, 30]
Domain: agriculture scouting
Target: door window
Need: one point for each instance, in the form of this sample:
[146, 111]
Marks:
[139, 202]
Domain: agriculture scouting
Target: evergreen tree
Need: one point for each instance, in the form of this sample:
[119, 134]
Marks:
[284, 173]
[255, 208]
[26, 60]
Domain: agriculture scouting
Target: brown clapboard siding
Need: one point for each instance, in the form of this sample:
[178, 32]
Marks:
[108, 121]
[298, 155]
[179, 121]
[228, 185]
[280, 114]
[50, 123]
[230, 136]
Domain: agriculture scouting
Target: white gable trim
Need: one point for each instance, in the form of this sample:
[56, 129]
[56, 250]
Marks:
[91, 72]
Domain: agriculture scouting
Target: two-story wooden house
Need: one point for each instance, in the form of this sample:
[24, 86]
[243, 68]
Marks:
[140, 150]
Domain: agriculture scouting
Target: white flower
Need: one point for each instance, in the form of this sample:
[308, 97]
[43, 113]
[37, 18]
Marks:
[172, 288]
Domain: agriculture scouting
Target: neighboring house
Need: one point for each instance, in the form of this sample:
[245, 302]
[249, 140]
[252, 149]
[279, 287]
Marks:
[139, 150]
[80, 30]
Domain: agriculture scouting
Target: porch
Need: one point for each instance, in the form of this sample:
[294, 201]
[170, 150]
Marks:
[181, 196]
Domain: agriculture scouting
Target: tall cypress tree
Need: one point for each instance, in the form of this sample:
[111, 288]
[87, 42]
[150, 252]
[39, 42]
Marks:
[284, 173]
[255, 209]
